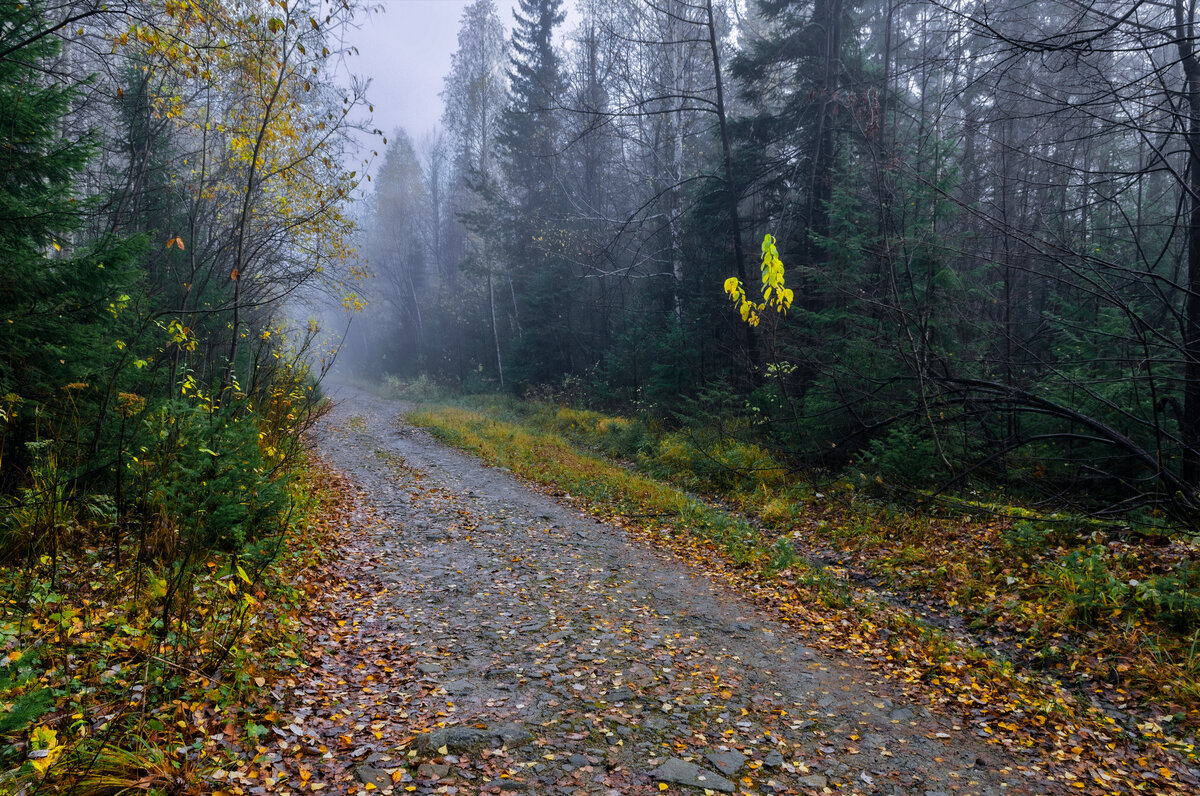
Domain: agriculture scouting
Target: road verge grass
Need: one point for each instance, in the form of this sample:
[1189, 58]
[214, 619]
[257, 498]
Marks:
[1113, 612]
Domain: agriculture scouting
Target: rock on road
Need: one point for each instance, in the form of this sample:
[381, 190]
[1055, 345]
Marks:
[561, 656]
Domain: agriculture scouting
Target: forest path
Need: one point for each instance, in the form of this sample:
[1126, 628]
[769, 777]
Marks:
[566, 657]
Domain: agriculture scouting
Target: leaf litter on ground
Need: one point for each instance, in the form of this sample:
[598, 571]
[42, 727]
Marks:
[562, 677]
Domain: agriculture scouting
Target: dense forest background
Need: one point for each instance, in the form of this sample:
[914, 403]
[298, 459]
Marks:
[173, 179]
[172, 174]
[989, 214]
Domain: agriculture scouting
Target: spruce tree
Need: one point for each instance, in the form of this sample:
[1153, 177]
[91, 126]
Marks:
[61, 298]
[529, 142]
[802, 48]
[529, 124]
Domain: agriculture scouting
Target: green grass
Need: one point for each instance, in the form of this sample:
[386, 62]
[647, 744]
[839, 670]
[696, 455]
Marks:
[608, 488]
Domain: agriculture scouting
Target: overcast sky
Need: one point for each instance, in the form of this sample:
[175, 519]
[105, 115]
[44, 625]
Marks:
[404, 49]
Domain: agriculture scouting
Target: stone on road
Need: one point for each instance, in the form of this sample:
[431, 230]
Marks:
[681, 772]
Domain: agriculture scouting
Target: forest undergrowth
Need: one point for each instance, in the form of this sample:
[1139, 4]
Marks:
[139, 645]
[102, 702]
[1041, 628]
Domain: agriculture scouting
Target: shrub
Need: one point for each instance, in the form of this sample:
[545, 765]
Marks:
[206, 472]
[713, 464]
[1172, 599]
[422, 389]
[613, 435]
[905, 455]
[1026, 539]
[1088, 586]
[777, 511]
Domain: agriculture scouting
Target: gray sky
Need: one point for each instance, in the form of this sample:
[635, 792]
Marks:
[405, 48]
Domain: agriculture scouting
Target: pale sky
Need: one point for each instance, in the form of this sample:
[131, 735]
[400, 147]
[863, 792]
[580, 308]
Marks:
[405, 48]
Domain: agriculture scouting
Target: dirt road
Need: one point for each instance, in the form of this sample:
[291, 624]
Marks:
[553, 654]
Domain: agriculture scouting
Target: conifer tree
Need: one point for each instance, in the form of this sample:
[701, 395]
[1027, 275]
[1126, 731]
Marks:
[62, 297]
[529, 125]
[792, 134]
[529, 141]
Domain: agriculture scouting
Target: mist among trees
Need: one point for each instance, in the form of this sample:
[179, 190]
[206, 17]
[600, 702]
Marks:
[989, 214]
[829, 298]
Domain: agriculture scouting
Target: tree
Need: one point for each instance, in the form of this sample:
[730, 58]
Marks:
[793, 132]
[532, 201]
[65, 298]
[475, 96]
[1119, 242]
[528, 129]
[667, 106]
[397, 251]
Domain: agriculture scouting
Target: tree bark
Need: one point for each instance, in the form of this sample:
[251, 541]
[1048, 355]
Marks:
[1189, 423]
[731, 192]
[495, 331]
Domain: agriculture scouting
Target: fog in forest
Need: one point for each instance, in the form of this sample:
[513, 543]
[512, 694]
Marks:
[943, 246]
[584, 396]
[984, 212]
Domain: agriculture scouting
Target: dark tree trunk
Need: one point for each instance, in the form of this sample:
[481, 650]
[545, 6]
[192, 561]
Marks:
[731, 192]
[1189, 425]
[828, 15]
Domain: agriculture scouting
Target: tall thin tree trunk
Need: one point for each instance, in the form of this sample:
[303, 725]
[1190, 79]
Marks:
[1189, 424]
[238, 273]
[821, 190]
[495, 331]
[412, 289]
[731, 192]
[675, 123]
